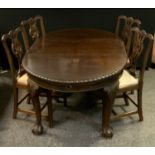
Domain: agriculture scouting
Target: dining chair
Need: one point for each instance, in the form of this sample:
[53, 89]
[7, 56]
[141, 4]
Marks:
[123, 28]
[14, 46]
[140, 47]
[34, 28]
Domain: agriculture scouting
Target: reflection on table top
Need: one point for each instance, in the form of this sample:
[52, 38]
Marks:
[75, 56]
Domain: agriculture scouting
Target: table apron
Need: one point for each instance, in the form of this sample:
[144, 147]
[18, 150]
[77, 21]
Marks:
[74, 87]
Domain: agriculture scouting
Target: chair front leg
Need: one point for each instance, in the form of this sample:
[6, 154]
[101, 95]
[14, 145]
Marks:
[15, 105]
[139, 100]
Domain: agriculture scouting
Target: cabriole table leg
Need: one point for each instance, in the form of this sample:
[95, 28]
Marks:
[34, 92]
[109, 94]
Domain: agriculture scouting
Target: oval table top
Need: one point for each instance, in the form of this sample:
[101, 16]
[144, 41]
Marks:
[75, 56]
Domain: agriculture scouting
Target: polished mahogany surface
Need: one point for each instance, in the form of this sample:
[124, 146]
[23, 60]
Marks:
[75, 56]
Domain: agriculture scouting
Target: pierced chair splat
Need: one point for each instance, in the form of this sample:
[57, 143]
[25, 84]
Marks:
[123, 28]
[34, 27]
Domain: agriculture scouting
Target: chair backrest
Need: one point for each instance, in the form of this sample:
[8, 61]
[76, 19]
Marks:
[14, 46]
[141, 44]
[34, 27]
[123, 27]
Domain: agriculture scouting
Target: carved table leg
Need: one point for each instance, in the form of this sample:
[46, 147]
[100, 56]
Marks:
[109, 94]
[34, 91]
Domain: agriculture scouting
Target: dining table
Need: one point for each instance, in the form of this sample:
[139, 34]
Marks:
[77, 60]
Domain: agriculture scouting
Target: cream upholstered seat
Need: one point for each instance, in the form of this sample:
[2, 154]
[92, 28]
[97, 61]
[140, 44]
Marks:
[22, 81]
[140, 45]
[127, 81]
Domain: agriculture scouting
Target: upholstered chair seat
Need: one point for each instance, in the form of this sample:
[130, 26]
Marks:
[22, 81]
[127, 81]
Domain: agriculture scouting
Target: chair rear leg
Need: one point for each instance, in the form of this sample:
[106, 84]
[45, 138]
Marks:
[28, 99]
[125, 99]
[65, 100]
[15, 106]
[140, 111]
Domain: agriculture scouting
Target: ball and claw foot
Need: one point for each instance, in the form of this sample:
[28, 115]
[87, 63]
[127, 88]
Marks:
[107, 132]
[37, 130]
